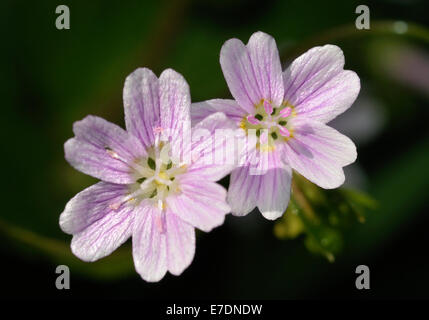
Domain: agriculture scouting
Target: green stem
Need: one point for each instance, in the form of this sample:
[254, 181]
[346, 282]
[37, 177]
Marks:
[377, 28]
[303, 203]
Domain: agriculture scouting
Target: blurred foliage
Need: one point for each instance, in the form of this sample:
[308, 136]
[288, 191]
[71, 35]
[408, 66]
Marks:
[322, 215]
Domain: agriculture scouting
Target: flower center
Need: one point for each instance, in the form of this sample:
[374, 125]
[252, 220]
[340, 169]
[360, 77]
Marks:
[271, 124]
[157, 180]
[155, 176]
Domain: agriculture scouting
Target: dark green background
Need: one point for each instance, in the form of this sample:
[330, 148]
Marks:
[51, 78]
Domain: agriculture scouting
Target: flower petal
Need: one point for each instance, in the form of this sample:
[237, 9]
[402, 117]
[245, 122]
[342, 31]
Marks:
[106, 230]
[274, 192]
[319, 152]
[149, 243]
[175, 104]
[214, 144]
[141, 105]
[266, 64]
[103, 150]
[180, 243]
[263, 161]
[231, 108]
[318, 86]
[243, 191]
[201, 203]
[158, 248]
[90, 205]
[253, 72]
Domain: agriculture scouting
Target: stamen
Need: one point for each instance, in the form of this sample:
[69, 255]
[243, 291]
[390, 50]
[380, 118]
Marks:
[268, 107]
[112, 153]
[177, 170]
[116, 205]
[286, 112]
[154, 177]
[284, 131]
[142, 170]
[259, 117]
[252, 119]
[145, 185]
[164, 154]
[163, 179]
[274, 135]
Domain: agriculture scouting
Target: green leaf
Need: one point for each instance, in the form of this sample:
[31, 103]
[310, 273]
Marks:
[359, 198]
[289, 226]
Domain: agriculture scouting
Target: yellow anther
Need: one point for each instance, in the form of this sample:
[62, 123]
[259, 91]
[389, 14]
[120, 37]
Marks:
[163, 175]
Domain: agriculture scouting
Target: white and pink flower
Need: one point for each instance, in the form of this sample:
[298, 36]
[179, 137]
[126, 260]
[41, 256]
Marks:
[151, 190]
[288, 111]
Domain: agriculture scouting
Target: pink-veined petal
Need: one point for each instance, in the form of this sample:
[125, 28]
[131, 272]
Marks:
[215, 146]
[319, 152]
[201, 110]
[161, 242]
[260, 161]
[150, 243]
[318, 86]
[243, 191]
[201, 203]
[102, 230]
[274, 192]
[175, 102]
[91, 205]
[141, 105]
[103, 150]
[253, 72]
[180, 243]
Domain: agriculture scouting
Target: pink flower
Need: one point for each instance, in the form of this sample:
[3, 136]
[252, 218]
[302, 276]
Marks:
[148, 191]
[289, 111]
